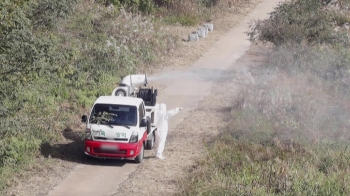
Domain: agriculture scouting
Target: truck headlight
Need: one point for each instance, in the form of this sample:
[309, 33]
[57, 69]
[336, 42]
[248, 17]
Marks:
[134, 137]
[88, 135]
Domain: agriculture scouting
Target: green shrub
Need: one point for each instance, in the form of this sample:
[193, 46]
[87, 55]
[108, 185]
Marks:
[46, 13]
[23, 56]
[300, 21]
[146, 6]
[17, 150]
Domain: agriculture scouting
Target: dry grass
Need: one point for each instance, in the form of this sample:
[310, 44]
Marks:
[288, 134]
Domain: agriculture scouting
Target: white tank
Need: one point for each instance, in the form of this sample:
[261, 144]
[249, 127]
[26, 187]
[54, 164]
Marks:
[134, 80]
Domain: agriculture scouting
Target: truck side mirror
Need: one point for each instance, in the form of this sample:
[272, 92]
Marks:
[143, 123]
[84, 118]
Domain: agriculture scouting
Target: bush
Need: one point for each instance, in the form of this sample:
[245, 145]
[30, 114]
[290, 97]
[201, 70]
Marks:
[300, 21]
[46, 13]
[17, 150]
[22, 56]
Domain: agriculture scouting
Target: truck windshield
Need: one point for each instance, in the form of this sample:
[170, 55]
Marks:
[110, 114]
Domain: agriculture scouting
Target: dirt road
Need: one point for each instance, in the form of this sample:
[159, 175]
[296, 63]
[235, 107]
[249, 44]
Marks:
[183, 87]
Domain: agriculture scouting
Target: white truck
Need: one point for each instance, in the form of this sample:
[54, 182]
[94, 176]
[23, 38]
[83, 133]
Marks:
[122, 125]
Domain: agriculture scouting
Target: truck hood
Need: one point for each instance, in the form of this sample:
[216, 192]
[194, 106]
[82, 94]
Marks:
[106, 133]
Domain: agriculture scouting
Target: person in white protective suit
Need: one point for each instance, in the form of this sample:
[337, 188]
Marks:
[162, 128]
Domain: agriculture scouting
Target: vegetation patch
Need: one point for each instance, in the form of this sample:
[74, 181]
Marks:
[296, 22]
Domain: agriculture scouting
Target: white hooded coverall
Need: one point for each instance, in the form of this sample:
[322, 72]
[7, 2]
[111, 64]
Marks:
[162, 128]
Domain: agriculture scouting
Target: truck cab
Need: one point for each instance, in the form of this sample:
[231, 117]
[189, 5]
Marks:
[118, 127]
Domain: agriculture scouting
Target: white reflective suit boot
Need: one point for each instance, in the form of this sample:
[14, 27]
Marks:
[162, 128]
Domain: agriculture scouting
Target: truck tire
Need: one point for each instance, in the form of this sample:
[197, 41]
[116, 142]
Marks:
[120, 92]
[150, 143]
[139, 158]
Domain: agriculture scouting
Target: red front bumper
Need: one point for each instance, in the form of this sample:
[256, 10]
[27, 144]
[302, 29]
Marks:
[112, 149]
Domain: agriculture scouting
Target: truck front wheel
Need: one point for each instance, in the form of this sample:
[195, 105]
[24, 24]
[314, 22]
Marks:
[139, 157]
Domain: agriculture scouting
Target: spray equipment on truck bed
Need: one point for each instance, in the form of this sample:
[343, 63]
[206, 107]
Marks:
[128, 88]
